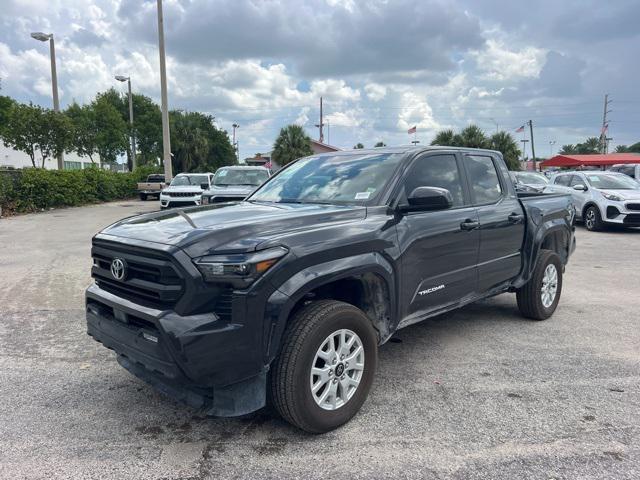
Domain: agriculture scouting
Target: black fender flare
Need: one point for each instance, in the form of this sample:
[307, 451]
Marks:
[286, 296]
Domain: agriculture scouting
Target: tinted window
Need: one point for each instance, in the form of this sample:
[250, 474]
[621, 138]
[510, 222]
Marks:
[436, 171]
[484, 180]
[563, 180]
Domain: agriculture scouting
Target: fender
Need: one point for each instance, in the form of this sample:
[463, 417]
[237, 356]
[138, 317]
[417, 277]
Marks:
[283, 300]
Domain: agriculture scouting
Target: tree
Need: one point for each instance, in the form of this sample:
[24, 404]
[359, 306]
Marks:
[31, 129]
[112, 138]
[446, 138]
[358, 146]
[84, 138]
[6, 104]
[380, 144]
[507, 145]
[147, 128]
[589, 146]
[291, 144]
[472, 136]
[622, 149]
[568, 149]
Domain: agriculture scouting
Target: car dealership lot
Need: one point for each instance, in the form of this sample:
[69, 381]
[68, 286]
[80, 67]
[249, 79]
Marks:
[479, 393]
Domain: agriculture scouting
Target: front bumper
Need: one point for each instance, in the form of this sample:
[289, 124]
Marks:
[626, 213]
[200, 359]
[168, 202]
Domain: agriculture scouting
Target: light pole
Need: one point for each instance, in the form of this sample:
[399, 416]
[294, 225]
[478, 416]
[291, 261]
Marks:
[121, 78]
[166, 139]
[235, 144]
[495, 123]
[551, 144]
[43, 37]
[524, 149]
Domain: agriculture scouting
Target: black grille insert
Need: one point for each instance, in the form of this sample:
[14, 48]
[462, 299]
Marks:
[633, 206]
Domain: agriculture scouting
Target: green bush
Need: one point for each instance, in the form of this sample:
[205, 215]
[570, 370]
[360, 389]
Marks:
[35, 189]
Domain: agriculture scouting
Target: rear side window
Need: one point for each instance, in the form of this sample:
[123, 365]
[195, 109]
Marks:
[436, 171]
[563, 180]
[483, 178]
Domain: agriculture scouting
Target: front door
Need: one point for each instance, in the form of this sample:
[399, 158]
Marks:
[439, 248]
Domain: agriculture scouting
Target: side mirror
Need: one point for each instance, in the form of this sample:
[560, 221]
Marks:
[428, 198]
[579, 187]
[204, 186]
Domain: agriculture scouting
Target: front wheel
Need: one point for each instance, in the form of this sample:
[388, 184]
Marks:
[326, 367]
[143, 197]
[539, 297]
[593, 219]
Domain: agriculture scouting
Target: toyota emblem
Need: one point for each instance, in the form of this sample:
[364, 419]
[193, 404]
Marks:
[118, 269]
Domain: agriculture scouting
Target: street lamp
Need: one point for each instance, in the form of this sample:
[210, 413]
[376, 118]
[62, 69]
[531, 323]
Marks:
[551, 144]
[166, 137]
[44, 37]
[121, 78]
[235, 144]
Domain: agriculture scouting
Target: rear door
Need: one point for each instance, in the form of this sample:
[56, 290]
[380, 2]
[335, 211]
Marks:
[501, 220]
[439, 249]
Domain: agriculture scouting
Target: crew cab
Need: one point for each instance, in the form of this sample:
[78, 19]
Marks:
[231, 184]
[601, 198]
[185, 190]
[289, 294]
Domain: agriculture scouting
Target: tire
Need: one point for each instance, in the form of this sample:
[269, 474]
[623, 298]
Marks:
[592, 219]
[143, 197]
[531, 300]
[292, 379]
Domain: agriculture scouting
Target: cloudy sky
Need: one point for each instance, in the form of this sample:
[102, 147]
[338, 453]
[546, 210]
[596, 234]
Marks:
[382, 66]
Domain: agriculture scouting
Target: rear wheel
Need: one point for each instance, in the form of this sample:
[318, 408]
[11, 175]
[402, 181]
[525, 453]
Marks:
[143, 197]
[539, 297]
[593, 219]
[325, 370]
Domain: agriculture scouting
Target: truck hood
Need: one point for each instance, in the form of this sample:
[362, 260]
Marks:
[624, 194]
[238, 227]
[231, 190]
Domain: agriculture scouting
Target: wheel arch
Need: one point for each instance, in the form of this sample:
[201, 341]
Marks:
[365, 281]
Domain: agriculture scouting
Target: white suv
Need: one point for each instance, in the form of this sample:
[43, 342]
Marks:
[185, 190]
[600, 198]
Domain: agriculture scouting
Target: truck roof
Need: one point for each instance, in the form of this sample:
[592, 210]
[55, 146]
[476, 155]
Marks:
[404, 149]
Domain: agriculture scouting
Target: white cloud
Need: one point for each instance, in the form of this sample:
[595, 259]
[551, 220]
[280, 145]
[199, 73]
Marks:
[375, 92]
[497, 62]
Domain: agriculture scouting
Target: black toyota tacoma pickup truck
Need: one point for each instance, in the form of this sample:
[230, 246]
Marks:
[287, 295]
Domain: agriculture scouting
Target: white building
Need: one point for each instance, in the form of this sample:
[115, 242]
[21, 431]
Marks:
[13, 158]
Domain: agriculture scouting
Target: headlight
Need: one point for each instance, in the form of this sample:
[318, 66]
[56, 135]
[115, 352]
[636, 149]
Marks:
[241, 269]
[612, 197]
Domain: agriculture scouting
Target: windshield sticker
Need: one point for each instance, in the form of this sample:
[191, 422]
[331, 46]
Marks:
[363, 195]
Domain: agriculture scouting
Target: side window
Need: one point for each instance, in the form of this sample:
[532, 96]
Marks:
[630, 170]
[563, 180]
[436, 171]
[483, 178]
[576, 180]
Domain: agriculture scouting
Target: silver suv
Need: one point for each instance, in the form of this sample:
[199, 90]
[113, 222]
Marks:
[600, 198]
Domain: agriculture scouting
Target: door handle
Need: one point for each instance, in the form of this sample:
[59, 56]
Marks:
[515, 218]
[469, 224]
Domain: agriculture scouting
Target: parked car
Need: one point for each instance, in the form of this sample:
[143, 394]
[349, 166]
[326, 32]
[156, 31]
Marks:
[232, 184]
[185, 190]
[629, 169]
[152, 187]
[529, 182]
[601, 198]
[292, 291]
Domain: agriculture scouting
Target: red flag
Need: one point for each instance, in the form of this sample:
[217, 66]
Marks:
[520, 130]
[412, 130]
[268, 165]
[605, 127]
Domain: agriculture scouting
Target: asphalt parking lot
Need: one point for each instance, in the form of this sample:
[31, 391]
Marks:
[480, 393]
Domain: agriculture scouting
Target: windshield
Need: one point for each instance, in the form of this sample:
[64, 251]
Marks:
[613, 182]
[186, 180]
[228, 176]
[330, 179]
[530, 178]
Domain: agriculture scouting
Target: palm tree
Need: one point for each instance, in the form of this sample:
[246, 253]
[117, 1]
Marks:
[358, 146]
[473, 137]
[506, 144]
[380, 144]
[569, 149]
[291, 144]
[445, 138]
[590, 145]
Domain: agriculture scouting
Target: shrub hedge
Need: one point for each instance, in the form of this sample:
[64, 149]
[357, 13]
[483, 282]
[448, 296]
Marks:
[34, 189]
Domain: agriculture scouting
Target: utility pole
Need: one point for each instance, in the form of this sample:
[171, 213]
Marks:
[321, 125]
[533, 148]
[134, 164]
[166, 138]
[524, 149]
[605, 125]
[235, 143]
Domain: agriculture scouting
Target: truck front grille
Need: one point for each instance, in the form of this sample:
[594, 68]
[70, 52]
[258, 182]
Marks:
[151, 278]
[221, 199]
